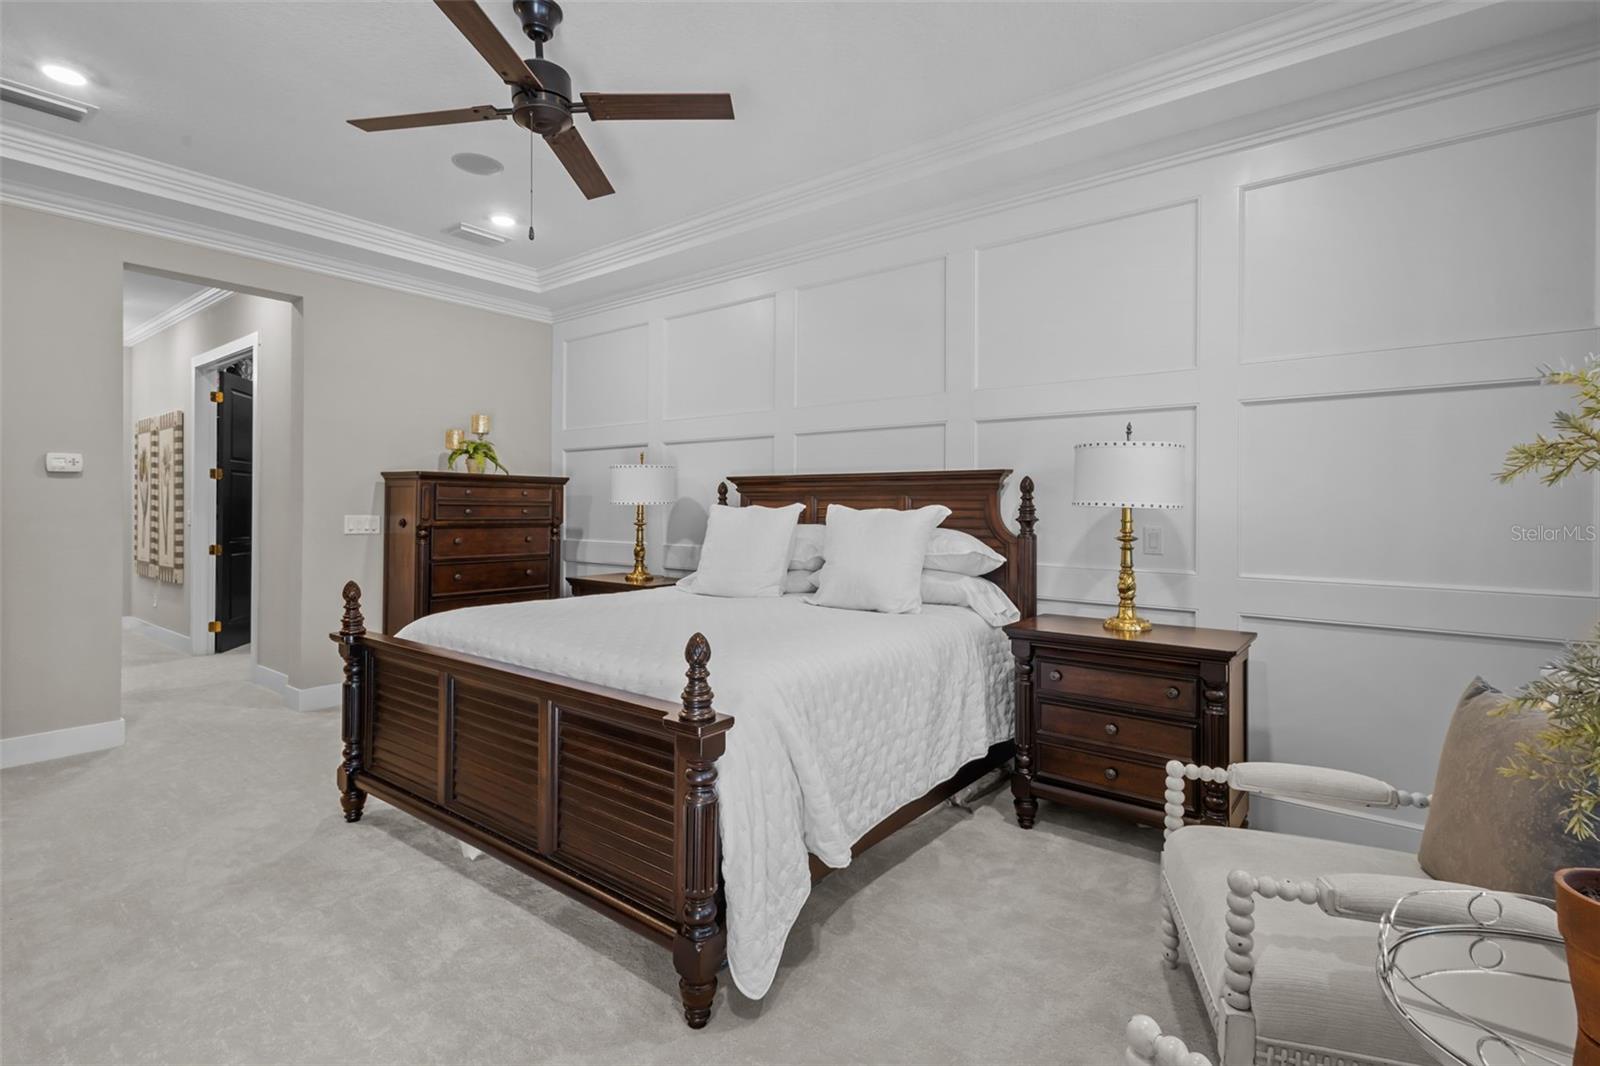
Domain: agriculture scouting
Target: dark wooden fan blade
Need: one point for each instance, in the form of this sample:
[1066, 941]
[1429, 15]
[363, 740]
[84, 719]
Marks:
[574, 154]
[428, 118]
[476, 28]
[605, 107]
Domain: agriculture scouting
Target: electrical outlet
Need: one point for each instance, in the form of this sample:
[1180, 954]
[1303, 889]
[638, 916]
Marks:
[1153, 540]
[362, 524]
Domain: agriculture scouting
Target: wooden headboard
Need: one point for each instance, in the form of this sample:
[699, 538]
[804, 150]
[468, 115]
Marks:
[973, 497]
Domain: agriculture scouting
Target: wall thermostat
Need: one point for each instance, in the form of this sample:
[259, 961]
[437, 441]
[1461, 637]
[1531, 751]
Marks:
[63, 462]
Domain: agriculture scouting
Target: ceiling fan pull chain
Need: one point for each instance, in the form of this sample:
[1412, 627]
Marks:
[530, 188]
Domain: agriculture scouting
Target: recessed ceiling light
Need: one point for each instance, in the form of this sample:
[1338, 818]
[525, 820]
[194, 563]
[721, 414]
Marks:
[503, 221]
[65, 75]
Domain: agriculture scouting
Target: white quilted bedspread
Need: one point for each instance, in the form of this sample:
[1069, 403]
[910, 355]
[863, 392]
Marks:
[840, 717]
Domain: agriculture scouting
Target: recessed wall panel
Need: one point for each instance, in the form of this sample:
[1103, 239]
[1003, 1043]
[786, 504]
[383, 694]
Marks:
[871, 338]
[1041, 448]
[606, 378]
[590, 514]
[701, 465]
[895, 448]
[1399, 488]
[720, 362]
[1110, 298]
[1489, 237]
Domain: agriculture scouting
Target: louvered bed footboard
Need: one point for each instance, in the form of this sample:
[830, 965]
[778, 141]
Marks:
[605, 795]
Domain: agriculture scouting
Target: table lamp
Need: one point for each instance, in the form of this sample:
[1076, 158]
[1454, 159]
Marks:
[1127, 474]
[640, 485]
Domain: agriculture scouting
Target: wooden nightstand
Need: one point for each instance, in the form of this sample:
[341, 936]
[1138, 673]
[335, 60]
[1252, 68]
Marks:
[1099, 715]
[597, 584]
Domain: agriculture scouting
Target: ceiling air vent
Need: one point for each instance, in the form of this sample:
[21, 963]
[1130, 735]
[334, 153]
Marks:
[14, 92]
[476, 234]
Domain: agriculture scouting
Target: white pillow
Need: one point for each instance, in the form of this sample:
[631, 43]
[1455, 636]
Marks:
[874, 558]
[746, 551]
[960, 553]
[800, 581]
[963, 590]
[805, 553]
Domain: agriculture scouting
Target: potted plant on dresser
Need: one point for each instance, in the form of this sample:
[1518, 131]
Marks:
[1565, 754]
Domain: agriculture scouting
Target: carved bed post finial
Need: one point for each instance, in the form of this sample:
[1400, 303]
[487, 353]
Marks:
[722, 493]
[697, 693]
[352, 627]
[1027, 551]
[1026, 515]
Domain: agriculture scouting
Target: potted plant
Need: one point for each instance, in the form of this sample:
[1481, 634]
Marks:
[479, 454]
[1566, 754]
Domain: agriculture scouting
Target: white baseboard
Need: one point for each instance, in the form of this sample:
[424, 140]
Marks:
[60, 743]
[171, 638]
[315, 698]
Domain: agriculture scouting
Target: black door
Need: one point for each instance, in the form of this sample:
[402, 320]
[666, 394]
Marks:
[234, 415]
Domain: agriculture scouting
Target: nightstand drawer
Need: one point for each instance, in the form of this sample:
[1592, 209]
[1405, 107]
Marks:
[492, 494]
[1107, 773]
[1164, 739]
[1145, 691]
[534, 512]
[484, 577]
[466, 543]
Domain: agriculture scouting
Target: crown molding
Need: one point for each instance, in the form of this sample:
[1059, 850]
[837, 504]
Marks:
[173, 315]
[27, 144]
[1293, 37]
[977, 207]
[153, 225]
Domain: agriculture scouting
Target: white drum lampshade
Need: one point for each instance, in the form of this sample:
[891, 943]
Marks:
[1128, 474]
[640, 485]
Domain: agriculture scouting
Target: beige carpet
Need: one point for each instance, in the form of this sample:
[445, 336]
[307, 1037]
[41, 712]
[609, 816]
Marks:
[194, 896]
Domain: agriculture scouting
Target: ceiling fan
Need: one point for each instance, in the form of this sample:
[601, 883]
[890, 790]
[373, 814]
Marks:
[542, 100]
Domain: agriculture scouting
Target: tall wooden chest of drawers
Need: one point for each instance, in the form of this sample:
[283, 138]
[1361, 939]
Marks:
[457, 540]
[1099, 715]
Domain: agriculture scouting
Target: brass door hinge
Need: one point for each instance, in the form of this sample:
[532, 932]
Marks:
[216, 473]
[213, 627]
[215, 549]
[216, 397]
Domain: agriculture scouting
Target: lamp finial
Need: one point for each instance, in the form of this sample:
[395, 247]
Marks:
[1129, 432]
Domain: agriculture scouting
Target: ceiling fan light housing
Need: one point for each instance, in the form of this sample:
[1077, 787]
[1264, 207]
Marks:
[548, 110]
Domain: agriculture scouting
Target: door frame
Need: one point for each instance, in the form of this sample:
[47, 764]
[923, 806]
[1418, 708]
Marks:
[201, 494]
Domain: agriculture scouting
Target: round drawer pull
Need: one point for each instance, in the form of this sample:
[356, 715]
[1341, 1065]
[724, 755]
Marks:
[1172, 693]
[527, 573]
[466, 510]
[1111, 773]
[456, 541]
[528, 539]
[1055, 675]
[1111, 729]
[469, 492]
[457, 577]
[524, 493]
[402, 523]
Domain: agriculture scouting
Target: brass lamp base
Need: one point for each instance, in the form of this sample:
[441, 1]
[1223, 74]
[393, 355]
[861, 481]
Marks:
[1126, 621]
[638, 575]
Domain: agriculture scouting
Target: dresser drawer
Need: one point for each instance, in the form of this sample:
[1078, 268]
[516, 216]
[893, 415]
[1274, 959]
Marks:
[483, 577]
[529, 512]
[477, 542]
[1149, 692]
[1167, 740]
[1106, 773]
[492, 494]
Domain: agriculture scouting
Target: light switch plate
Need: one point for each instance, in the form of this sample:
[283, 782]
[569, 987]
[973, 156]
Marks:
[63, 462]
[1152, 540]
[362, 524]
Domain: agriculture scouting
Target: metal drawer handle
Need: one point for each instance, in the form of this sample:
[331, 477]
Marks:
[524, 492]
[1111, 729]
[1172, 693]
[528, 539]
[1055, 675]
[527, 573]
[456, 541]
[458, 577]
[466, 510]
[469, 492]
[1111, 773]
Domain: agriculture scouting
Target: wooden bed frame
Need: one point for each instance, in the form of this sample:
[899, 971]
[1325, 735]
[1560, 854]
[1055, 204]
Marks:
[605, 795]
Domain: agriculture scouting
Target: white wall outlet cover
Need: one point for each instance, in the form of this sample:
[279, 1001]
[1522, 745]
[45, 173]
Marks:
[362, 524]
[1153, 540]
[63, 462]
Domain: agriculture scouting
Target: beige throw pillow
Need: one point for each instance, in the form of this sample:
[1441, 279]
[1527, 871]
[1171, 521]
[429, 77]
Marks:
[1484, 829]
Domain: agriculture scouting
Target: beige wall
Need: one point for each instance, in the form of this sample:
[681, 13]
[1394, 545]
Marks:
[382, 375]
[160, 378]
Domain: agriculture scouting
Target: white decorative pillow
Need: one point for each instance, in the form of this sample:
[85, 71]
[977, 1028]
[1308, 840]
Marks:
[805, 553]
[800, 581]
[960, 553]
[874, 558]
[986, 598]
[746, 551]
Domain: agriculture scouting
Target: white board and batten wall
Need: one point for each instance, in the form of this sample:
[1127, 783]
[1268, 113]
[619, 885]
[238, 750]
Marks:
[1343, 322]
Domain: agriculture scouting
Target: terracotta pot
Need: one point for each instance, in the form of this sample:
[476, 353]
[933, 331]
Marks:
[1578, 917]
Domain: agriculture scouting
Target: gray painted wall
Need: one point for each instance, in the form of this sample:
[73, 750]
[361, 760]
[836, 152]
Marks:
[381, 375]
